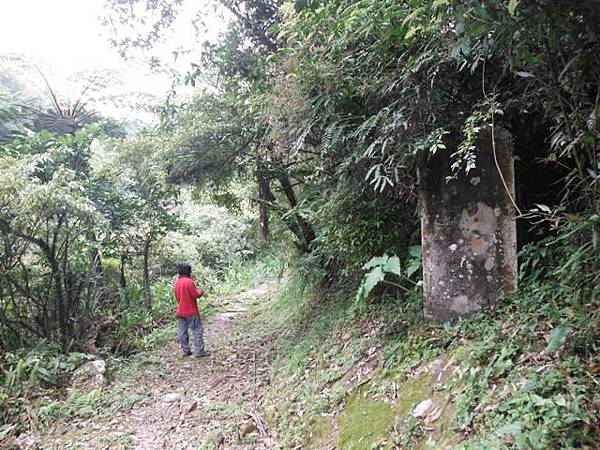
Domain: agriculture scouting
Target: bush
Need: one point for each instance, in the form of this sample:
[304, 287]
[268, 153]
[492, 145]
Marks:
[25, 372]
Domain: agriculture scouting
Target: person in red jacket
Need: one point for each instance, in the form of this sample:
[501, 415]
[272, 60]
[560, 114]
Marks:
[186, 295]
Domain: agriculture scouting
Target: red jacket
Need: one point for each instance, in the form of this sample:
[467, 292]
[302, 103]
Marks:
[186, 294]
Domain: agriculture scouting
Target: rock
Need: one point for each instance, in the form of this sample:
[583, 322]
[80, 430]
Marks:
[27, 441]
[10, 444]
[436, 413]
[90, 376]
[422, 408]
[171, 398]
[247, 428]
[261, 288]
[219, 440]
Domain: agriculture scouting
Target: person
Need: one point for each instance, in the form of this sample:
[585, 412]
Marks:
[188, 316]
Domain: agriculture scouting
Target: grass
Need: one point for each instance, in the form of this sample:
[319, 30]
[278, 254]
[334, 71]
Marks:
[524, 375]
[242, 274]
[97, 404]
[117, 440]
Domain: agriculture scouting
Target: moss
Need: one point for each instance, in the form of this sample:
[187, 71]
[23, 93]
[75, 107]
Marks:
[319, 434]
[363, 422]
[459, 353]
[411, 393]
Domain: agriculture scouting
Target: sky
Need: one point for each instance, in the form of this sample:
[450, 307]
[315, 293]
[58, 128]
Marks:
[66, 36]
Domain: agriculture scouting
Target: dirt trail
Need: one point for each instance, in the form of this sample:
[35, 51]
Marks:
[191, 403]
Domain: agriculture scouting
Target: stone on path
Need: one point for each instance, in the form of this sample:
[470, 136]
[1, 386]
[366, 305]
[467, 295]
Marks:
[248, 428]
[89, 376]
[171, 398]
[422, 408]
[192, 407]
[259, 290]
[219, 440]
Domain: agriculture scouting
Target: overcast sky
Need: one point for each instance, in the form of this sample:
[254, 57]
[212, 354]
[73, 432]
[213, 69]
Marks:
[66, 36]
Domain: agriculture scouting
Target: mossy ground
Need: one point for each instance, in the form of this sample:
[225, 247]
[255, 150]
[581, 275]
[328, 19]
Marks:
[363, 422]
[350, 378]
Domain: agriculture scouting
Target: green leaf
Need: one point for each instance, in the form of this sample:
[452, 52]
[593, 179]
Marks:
[415, 13]
[539, 401]
[512, 6]
[476, 28]
[481, 11]
[510, 429]
[529, 386]
[557, 337]
[412, 268]
[392, 265]
[372, 278]
[414, 260]
[376, 261]
[588, 139]
[413, 31]
[415, 251]
[369, 282]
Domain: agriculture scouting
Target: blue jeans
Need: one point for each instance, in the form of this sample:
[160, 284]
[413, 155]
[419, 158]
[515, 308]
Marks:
[183, 323]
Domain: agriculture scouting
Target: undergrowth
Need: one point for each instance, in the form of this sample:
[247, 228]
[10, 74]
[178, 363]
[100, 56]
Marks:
[242, 274]
[527, 371]
[526, 374]
[35, 382]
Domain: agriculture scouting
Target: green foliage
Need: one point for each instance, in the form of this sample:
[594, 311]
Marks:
[218, 235]
[526, 372]
[353, 229]
[46, 222]
[326, 110]
[96, 403]
[139, 329]
[242, 273]
[350, 109]
[465, 156]
[379, 266]
[26, 373]
[553, 340]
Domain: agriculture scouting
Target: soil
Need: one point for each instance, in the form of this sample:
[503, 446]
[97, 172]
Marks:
[190, 403]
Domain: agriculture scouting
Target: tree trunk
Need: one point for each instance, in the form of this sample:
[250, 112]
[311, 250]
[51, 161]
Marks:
[306, 230]
[96, 261]
[263, 195]
[122, 280]
[146, 254]
[61, 314]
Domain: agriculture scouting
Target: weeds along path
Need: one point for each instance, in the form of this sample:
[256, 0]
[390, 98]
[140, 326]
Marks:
[186, 403]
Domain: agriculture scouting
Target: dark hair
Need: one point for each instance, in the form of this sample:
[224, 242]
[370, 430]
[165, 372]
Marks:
[184, 269]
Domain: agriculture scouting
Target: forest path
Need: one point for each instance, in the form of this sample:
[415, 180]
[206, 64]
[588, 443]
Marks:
[190, 403]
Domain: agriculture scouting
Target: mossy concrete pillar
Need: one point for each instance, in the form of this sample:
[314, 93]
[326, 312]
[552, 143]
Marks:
[468, 230]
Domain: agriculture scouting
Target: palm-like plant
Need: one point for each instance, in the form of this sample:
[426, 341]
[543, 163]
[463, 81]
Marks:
[22, 108]
[66, 116]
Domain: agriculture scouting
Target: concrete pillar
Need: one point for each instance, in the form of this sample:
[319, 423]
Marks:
[468, 231]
